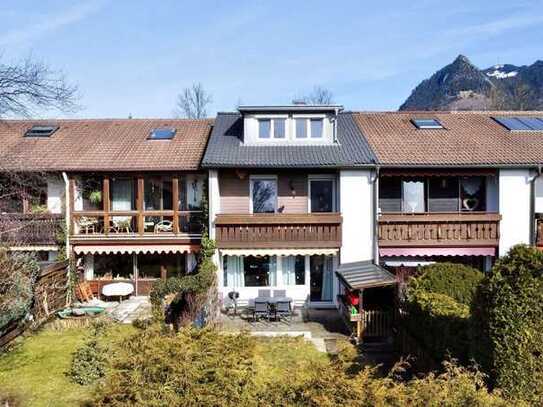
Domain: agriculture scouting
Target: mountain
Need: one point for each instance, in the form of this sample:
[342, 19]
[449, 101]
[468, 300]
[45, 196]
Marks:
[462, 86]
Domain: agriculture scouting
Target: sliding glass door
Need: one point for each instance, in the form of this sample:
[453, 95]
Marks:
[321, 278]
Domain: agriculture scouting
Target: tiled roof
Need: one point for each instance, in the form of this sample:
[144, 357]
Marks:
[104, 144]
[225, 148]
[469, 138]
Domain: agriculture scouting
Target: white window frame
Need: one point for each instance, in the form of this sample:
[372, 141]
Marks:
[322, 177]
[266, 178]
[272, 138]
[308, 119]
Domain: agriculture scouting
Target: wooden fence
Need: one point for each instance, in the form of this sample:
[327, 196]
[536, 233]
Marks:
[50, 295]
[377, 324]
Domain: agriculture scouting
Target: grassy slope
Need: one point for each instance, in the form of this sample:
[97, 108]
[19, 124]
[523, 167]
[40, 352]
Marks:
[35, 369]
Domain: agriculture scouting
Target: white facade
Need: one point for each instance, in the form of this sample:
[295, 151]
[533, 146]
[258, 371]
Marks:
[514, 204]
[356, 204]
[55, 194]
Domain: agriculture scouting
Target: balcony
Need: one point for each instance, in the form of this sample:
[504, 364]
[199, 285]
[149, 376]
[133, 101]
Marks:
[17, 229]
[278, 231]
[439, 229]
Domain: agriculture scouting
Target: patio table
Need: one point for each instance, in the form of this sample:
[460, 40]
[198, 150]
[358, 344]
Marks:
[273, 300]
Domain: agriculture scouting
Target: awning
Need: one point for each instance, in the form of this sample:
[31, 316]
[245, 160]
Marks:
[364, 274]
[437, 172]
[45, 248]
[408, 263]
[129, 249]
[278, 252]
[437, 251]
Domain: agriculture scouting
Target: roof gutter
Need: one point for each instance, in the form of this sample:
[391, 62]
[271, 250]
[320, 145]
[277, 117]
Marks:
[533, 222]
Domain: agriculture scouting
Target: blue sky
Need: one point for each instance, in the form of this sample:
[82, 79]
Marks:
[134, 57]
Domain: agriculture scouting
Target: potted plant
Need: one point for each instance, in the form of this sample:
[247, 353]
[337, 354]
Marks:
[95, 197]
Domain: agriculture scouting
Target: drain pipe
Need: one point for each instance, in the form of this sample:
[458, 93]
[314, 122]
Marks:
[533, 223]
[67, 211]
[375, 188]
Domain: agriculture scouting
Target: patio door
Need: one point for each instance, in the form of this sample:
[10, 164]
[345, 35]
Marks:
[321, 278]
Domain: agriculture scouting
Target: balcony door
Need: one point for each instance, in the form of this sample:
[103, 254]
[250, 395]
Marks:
[321, 275]
[263, 194]
[322, 194]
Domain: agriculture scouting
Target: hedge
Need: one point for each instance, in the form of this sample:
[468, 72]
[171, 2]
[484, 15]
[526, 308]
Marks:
[458, 281]
[508, 324]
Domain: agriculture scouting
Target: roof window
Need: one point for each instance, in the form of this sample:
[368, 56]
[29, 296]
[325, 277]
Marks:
[41, 131]
[519, 123]
[162, 134]
[425, 124]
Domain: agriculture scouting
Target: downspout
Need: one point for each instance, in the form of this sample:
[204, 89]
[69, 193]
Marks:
[67, 211]
[533, 223]
[375, 190]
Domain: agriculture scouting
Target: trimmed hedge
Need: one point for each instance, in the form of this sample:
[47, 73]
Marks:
[508, 324]
[458, 281]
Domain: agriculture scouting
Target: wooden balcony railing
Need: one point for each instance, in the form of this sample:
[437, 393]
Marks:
[17, 229]
[439, 229]
[314, 230]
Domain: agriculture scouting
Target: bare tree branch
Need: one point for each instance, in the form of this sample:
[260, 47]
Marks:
[319, 96]
[193, 102]
[32, 86]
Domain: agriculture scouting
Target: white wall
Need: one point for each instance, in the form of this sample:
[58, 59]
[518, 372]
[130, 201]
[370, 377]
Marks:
[214, 200]
[539, 195]
[514, 192]
[55, 194]
[356, 203]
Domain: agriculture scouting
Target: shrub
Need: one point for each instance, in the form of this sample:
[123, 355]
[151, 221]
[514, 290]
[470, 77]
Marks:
[508, 324]
[18, 273]
[455, 280]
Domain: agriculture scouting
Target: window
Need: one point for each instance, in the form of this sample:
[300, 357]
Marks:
[294, 270]
[521, 123]
[122, 194]
[162, 134]
[264, 195]
[413, 196]
[41, 131]
[316, 128]
[301, 128]
[390, 194]
[264, 128]
[443, 194]
[113, 267]
[425, 124]
[321, 278]
[472, 194]
[157, 193]
[279, 128]
[322, 195]
[259, 271]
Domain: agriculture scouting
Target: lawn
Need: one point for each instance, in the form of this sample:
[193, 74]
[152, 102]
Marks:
[35, 369]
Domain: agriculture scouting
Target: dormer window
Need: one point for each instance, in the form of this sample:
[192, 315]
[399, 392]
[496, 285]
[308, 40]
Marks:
[301, 128]
[269, 127]
[316, 128]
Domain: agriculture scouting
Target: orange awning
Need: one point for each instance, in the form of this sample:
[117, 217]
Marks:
[129, 249]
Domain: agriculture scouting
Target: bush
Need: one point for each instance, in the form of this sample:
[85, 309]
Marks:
[18, 272]
[455, 280]
[204, 367]
[508, 324]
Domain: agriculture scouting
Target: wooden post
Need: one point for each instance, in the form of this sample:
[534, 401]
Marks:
[163, 272]
[71, 198]
[175, 204]
[106, 203]
[139, 205]
[360, 322]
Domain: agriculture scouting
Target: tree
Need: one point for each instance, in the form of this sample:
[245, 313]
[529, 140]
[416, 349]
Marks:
[31, 86]
[319, 96]
[193, 102]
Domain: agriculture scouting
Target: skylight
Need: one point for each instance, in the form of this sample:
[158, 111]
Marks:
[425, 124]
[162, 134]
[519, 123]
[41, 131]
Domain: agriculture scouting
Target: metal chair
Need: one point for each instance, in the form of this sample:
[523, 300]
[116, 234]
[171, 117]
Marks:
[283, 310]
[264, 293]
[279, 293]
[261, 310]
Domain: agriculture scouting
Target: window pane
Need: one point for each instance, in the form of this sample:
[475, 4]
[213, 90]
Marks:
[301, 128]
[122, 194]
[472, 194]
[264, 128]
[264, 196]
[279, 128]
[390, 194]
[257, 271]
[299, 270]
[413, 196]
[443, 194]
[322, 196]
[316, 128]
[113, 267]
[294, 270]
[158, 193]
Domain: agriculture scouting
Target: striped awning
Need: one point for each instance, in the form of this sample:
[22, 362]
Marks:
[129, 249]
[278, 252]
[437, 251]
[364, 274]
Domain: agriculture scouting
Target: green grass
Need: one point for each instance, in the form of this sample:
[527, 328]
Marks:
[34, 370]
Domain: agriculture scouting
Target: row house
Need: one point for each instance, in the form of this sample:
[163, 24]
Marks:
[128, 195]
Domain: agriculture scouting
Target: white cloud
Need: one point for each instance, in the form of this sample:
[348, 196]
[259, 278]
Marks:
[50, 23]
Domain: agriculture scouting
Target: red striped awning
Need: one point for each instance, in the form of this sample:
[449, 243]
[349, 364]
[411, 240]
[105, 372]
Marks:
[437, 251]
[134, 248]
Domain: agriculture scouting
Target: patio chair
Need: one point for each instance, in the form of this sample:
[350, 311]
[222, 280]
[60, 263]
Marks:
[279, 293]
[282, 310]
[264, 293]
[260, 310]
[164, 226]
